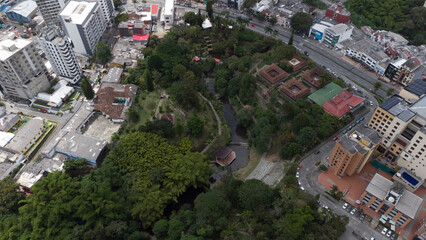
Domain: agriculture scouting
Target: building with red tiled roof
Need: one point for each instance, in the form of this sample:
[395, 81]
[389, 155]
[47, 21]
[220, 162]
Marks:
[272, 73]
[294, 89]
[342, 104]
[169, 117]
[114, 99]
[296, 62]
[312, 77]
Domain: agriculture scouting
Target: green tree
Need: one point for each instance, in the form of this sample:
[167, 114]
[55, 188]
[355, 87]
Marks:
[73, 164]
[284, 52]
[300, 121]
[390, 91]
[255, 195]
[261, 16]
[290, 150]
[268, 30]
[87, 88]
[272, 20]
[211, 207]
[301, 22]
[195, 126]
[117, 3]
[190, 18]
[9, 196]
[209, 9]
[155, 62]
[102, 52]
[306, 137]
[161, 127]
[149, 81]
[160, 228]
[377, 85]
[290, 41]
[245, 117]
[249, 3]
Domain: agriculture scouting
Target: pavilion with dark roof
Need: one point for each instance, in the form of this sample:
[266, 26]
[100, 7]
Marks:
[272, 73]
[225, 156]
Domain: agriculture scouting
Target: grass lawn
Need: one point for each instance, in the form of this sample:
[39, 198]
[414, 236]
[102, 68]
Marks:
[253, 161]
[210, 127]
[147, 103]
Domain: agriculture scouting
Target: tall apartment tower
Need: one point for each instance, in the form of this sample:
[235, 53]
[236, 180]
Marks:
[50, 10]
[84, 24]
[22, 71]
[352, 151]
[59, 51]
[107, 7]
[403, 127]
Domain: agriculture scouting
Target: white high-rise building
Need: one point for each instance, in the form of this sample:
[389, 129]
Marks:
[50, 10]
[58, 49]
[22, 71]
[107, 7]
[84, 24]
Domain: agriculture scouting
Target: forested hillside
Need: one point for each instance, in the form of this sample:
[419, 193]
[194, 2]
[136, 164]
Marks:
[406, 17]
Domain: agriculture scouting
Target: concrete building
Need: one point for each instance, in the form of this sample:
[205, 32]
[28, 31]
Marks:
[58, 49]
[403, 127]
[421, 230]
[368, 54]
[113, 76]
[22, 71]
[392, 200]
[23, 11]
[318, 30]
[58, 97]
[168, 13]
[392, 70]
[406, 72]
[337, 33]
[84, 24]
[26, 136]
[8, 121]
[352, 151]
[50, 10]
[107, 7]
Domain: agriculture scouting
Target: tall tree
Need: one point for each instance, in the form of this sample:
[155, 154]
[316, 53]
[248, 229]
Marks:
[149, 81]
[87, 88]
[290, 41]
[72, 164]
[209, 9]
[9, 196]
[102, 52]
[377, 85]
[301, 22]
[390, 91]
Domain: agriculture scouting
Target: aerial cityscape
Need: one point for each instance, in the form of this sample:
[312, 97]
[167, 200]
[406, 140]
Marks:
[213, 119]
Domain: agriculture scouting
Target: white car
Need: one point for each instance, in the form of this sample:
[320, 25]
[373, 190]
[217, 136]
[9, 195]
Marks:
[345, 205]
[325, 207]
[297, 175]
[389, 234]
[384, 231]
[371, 103]
[353, 211]
[303, 189]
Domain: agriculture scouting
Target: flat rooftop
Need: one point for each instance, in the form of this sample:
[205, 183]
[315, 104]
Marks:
[365, 139]
[78, 12]
[417, 87]
[419, 107]
[26, 136]
[113, 75]
[9, 47]
[399, 107]
[408, 203]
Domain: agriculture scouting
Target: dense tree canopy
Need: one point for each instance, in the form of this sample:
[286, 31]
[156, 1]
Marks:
[102, 52]
[301, 22]
[87, 88]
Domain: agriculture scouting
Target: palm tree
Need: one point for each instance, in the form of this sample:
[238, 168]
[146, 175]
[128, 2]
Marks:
[390, 91]
[268, 30]
[377, 85]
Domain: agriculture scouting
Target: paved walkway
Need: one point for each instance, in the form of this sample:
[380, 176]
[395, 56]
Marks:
[219, 123]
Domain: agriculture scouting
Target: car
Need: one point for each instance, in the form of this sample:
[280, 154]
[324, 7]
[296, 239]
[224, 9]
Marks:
[253, 25]
[393, 236]
[317, 152]
[362, 118]
[306, 53]
[319, 202]
[371, 103]
[345, 205]
[335, 138]
[358, 121]
[43, 110]
[297, 174]
[362, 217]
[389, 234]
[345, 131]
[384, 231]
[349, 128]
[302, 188]
[358, 214]
[349, 208]
[325, 207]
[372, 238]
[353, 211]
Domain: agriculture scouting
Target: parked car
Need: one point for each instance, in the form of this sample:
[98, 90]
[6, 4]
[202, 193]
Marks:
[362, 217]
[43, 111]
[353, 211]
[371, 103]
[349, 208]
[358, 214]
[345, 131]
[384, 231]
[389, 234]
[297, 174]
[358, 121]
[393, 236]
[362, 118]
[317, 152]
[253, 25]
[306, 53]
[345, 205]
[325, 207]
[302, 188]
[335, 138]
